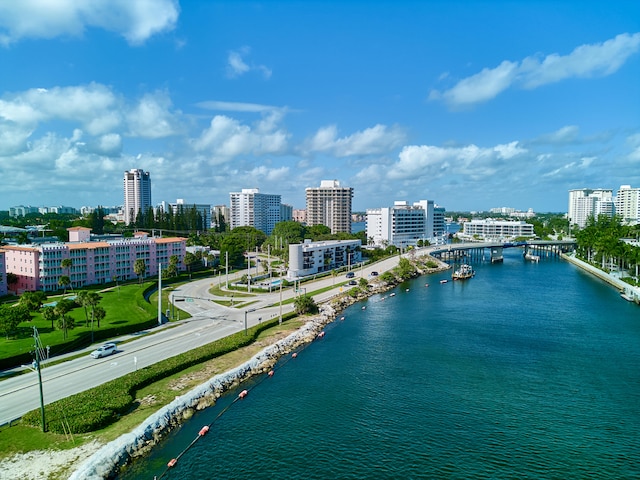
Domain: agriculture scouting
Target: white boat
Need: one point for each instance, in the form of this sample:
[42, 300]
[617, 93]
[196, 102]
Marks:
[531, 257]
[465, 271]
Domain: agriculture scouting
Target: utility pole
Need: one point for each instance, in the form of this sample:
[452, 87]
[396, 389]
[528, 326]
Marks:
[37, 366]
[159, 293]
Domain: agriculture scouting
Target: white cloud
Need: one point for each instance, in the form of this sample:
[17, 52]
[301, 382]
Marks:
[375, 140]
[226, 138]
[236, 65]
[634, 142]
[152, 118]
[93, 106]
[565, 135]
[236, 106]
[135, 20]
[591, 60]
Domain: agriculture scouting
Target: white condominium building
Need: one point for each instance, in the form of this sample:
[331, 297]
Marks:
[404, 225]
[330, 205]
[490, 229]
[250, 208]
[310, 258]
[628, 204]
[587, 202]
[137, 194]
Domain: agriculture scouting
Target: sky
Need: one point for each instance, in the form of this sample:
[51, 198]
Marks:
[472, 104]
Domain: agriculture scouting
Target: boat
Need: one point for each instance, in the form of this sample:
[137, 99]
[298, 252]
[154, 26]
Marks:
[531, 257]
[465, 271]
[444, 281]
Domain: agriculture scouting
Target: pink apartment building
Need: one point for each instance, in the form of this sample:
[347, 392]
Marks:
[38, 267]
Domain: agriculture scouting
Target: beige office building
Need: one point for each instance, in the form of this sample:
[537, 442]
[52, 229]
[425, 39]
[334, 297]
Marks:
[330, 205]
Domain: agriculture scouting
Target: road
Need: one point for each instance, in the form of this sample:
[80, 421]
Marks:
[210, 321]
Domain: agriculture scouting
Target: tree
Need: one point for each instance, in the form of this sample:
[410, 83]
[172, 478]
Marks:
[64, 281]
[93, 299]
[305, 304]
[11, 317]
[139, 268]
[81, 299]
[33, 300]
[316, 232]
[50, 315]
[363, 283]
[189, 259]
[65, 323]
[12, 281]
[99, 314]
[67, 263]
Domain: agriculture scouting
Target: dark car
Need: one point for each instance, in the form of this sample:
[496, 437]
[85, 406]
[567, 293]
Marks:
[374, 274]
[352, 282]
[350, 275]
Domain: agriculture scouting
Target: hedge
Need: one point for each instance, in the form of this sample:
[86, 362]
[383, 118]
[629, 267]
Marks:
[101, 406]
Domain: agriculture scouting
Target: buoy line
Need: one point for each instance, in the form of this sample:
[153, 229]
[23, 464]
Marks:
[206, 428]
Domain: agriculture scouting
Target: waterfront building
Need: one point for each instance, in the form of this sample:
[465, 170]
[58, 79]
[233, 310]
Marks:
[38, 267]
[628, 204]
[21, 210]
[329, 205]
[586, 202]
[286, 212]
[137, 194]
[310, 258]
[300, 215]
[252, 208]
[204, 209]
[219, 213]
[496, 230]
[3, 275]
[404, 225]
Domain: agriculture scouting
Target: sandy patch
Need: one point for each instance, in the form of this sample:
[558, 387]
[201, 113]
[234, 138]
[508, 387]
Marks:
[46, 464]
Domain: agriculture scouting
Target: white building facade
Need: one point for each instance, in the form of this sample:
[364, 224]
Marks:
[329, 205]
[404, 225]
[586, 202]
[500, 230]
[250, 208]
[628, 204]
[310, 258]
[137, 194]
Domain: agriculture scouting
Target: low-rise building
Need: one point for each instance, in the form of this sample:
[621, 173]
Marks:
[39, 267]
[310, 258]
[500, 230]
[3, 276]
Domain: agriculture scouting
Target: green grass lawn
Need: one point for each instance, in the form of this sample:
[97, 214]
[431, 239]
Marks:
[125, 308]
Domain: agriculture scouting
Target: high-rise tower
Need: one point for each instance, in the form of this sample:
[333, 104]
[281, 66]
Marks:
[330, 205]
[137, 194]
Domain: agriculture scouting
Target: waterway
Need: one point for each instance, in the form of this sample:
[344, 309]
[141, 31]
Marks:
[528, 370]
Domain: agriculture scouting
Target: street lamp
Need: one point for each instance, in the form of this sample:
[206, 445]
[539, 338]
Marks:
[245, 318]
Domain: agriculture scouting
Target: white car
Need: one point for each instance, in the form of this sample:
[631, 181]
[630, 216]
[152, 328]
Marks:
[104, 350]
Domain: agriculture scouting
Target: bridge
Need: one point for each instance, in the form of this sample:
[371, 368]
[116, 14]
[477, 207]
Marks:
[532, 249]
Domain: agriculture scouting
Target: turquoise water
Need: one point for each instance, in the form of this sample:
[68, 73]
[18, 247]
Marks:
[525, 371]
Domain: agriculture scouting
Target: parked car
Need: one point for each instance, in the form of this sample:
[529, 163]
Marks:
[350, 275]
[352, 282]
[105, 350]
[374, 274]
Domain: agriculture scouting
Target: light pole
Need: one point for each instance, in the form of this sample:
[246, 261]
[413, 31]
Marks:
[245, 318]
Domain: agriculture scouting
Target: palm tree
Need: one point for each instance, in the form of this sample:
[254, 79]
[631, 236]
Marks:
[139, 268]
[65, 323]
[50, 314]
[64, 281]
[67, 263]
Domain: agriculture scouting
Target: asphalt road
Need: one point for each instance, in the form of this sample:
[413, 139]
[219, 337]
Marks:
[210, 321]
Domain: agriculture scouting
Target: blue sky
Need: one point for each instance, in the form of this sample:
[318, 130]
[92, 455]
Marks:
[472, 104]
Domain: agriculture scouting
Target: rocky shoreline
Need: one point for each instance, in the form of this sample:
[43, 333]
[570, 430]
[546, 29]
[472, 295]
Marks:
[105, 461]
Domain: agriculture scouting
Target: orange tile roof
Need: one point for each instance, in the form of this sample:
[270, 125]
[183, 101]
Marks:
[87, 245]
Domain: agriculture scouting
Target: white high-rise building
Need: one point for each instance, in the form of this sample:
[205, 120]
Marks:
[137, 194]
[628, 204]
[329, 205]
[404, 225]
[586, 202]
[252, 208]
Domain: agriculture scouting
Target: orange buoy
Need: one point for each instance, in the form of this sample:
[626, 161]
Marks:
[295, 354]
[243, 393]
[203, 431]
[172, 462]
[270, 373]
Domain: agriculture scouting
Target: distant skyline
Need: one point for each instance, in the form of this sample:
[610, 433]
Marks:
[475, 105]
